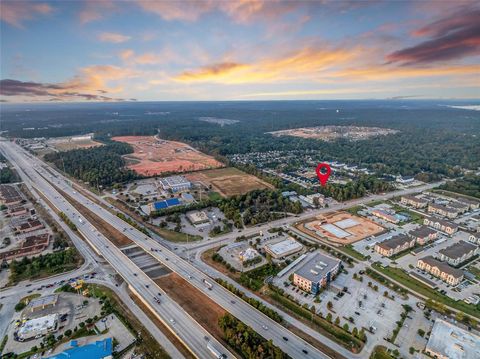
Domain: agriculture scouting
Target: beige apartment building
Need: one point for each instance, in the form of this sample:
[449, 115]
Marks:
[414, 201]
[394, 245]
[440, 270]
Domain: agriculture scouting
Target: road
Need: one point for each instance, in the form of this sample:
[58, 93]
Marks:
[169, 312]
[186, 329]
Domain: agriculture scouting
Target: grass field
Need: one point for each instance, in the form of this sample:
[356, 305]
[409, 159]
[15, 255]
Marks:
[173, 236]
[229, 181]
[68, 145]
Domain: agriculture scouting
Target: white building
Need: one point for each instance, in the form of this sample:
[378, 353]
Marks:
[175, 183]
[248, 254]
[38, 327]
[283, 248]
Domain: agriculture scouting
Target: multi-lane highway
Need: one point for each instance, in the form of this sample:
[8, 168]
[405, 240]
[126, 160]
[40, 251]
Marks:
[188, 331]
[176, 319]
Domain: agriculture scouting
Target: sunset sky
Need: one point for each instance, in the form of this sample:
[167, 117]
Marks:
[238, 50]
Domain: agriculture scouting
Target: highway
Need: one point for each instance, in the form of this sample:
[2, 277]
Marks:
[282, 337]
[172, 315]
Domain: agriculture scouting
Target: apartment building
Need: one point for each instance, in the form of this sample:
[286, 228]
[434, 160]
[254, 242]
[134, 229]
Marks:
[441, 225]
[395, 245]
[458, 253]
[442, 210]
[386, 215]
[316, 272]
[423, 235]
[474, 238]
[440, 270]
[414, 201]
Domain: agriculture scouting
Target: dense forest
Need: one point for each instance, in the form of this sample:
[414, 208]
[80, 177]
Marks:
[50, 263]
[248, 343]
[432, 137]
[469, 185]
[99, 166]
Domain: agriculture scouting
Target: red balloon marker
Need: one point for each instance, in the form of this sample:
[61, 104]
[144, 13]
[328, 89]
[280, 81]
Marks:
[323, 177]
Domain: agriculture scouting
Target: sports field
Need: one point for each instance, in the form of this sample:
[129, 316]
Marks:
[340, 227]
[228, 181]
[153, 156]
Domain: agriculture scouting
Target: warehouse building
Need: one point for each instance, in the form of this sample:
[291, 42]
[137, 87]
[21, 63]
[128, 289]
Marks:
[283, 249]
[175, 184]
[316, 272]
[198, 217]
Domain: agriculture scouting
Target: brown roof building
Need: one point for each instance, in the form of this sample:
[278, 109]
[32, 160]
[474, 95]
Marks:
[30, 246]
[394, 245]
[440, 270]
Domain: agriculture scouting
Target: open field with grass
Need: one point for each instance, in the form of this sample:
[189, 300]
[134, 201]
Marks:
[229, 181]
[153, 156]
[68, 144]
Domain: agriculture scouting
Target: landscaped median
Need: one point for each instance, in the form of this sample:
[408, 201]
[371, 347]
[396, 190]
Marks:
[416, 286]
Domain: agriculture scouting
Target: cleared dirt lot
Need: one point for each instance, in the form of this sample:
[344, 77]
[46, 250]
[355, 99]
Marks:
[153, 156]
[229, 181]
[204, 310]
[334, 225]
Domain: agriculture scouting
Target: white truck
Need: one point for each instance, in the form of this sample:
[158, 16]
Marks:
[208, 284]
[216, 353]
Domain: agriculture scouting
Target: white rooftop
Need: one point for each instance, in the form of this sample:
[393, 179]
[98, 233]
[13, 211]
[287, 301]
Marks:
[346, 223]
[37, 325]
[284, 246]
[453, 342]
[336, 231]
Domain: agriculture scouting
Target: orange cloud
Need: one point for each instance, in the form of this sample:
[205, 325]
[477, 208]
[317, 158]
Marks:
[149, 58]
[113, 37]
[16, 12]
[306, 63]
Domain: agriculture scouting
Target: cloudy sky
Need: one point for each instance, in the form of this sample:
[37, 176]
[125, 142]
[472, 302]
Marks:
[238, 50]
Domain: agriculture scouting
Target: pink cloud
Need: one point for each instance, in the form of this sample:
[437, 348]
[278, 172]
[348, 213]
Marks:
[16, 12]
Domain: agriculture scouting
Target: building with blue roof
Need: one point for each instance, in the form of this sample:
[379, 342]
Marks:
[156, 206]
[101, 349]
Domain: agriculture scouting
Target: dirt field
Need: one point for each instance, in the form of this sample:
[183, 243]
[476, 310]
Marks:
[340, 227]
[154, 156]
[114, 235]
[68, 145]
[204, 310]
[229, 181]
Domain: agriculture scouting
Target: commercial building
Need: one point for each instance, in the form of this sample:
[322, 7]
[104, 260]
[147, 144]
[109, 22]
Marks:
[441, 225]
[447, 341]
[41, 303]
[405, 179]
[29, 226]
[198, 217]
[284, 248]
[314, 200]
[423, 235]
[29, 246]
[414, 201]
[442, 210]
[101, 349]
[440, 270]
[9, 195]
[37, 327]
[318, 271]
[175, 183]
[458, 253]
[17, 211]
[395, 245]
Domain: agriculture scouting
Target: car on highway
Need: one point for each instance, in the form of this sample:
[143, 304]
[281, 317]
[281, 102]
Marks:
[305, 351]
